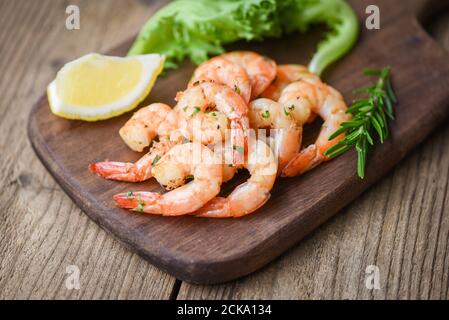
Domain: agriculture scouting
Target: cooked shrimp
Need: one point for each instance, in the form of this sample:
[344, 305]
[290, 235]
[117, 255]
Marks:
[329, 104]
[207, 96]
[208, 128]
[170, 177]
[261, 70]
[132, 172]
[222, 71]
[286, 74]
[266, 113]
[206, 174]
[224, 152]
[157, 119]
[253, 193]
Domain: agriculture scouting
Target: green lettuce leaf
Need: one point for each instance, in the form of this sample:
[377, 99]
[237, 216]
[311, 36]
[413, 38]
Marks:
[197, 29]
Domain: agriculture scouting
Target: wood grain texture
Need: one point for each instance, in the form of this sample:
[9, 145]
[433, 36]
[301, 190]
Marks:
[237, 247]
[401, 224]
[41, 230]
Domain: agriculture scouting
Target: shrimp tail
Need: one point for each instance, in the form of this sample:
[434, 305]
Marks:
[304, 161]
[113, 170]
[216, 208]
[136, 201]
[121, 171]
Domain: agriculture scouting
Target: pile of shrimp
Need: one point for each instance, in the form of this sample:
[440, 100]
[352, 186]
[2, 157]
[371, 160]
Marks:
[240, 111]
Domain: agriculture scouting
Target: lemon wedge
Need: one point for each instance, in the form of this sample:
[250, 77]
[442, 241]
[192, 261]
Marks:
[97, 87]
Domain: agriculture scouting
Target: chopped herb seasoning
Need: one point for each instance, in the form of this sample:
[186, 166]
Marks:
[266, 114]
[140, 206]
[195, 111]
[370, 115]
[236, 89]
[155, 160]
[240, 149]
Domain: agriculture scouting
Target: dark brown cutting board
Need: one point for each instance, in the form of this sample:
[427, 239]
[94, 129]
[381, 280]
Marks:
[211, 251]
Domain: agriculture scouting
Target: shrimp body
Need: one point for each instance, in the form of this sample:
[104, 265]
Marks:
[266, 113]
[157, 119]
[286, 74]
[207, 128]
[260, 69]
[225, 153]
[132, 172]
[329, 104]
[206, 171]
[253, 193]
[207, 96]
[222, 71]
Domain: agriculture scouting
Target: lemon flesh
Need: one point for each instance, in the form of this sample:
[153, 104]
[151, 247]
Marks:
[96, 87]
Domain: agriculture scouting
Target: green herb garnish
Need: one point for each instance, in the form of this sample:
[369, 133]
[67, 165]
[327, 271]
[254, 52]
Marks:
[370, 114]
[240, 149]
[195, 111]
[140, 206]
[155, 160]
[189, 177]
[236, 89]
[266, 114]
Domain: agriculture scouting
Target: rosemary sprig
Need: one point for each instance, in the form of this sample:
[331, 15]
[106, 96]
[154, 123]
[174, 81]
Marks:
[370, 114]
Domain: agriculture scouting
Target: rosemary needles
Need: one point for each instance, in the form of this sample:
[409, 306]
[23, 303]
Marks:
[369, 115]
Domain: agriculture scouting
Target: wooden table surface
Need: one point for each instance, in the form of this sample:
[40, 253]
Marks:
[401, 225]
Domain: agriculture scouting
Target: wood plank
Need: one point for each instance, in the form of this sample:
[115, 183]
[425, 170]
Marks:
[41, 230]
[400, 225]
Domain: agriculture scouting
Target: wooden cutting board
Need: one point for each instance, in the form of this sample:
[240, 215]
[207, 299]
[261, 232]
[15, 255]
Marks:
[212, 251]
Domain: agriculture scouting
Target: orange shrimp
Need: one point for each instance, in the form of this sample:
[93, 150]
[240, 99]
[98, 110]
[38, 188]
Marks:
[286, 74]
[266, 113]
[261, 70]
[132, 172]
[157, 119]
[206, 174]
[329, 104]
[253, 193]
[222, 71]
[207, 128]
[206, 96]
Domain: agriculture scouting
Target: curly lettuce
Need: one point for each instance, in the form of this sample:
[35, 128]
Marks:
[197, 29]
